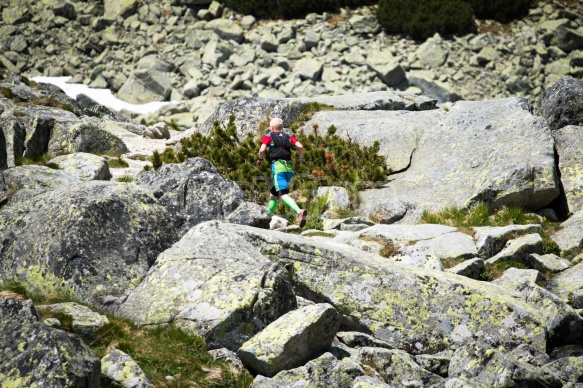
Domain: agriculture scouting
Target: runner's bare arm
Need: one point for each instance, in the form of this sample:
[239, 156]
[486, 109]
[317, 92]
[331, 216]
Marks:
[261, 153]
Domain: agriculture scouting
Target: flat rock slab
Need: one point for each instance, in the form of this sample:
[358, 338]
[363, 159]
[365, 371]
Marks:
[292, 340]
[401, 235]
[376, 101]
[548, 262]
[472, 268]
[435, 310]
[456, 156]
[451, 245]
[37, 177]
[397, 131]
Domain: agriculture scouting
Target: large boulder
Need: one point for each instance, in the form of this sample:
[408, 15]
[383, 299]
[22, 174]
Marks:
[398, 132]
[568, 142]
[375, 101]
[456, 156]
[434, 310]
[292, 340]
[34, 354]
[93, 239]
[562, 103]
[115, 9]
[214, 285]
[192, 192]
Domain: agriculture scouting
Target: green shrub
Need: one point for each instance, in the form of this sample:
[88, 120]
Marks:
[125, 178]
[501, 10]
[327, 159]
[549, 246]
[423, 18]
[117, 163]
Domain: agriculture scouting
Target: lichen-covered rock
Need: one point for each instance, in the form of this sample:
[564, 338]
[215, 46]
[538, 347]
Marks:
[40, 178]
[530, 355]
[157, 131]
[337, 198]
[396, 367]
[34, 354]
[355, 339]
[571, 233]
[325, 371]
[569, 369]
[376, 101]
[228, 357]
[489, 366]
[86, 322]
[491, 239]
[419, 257]
[278, 223]
[192, 192]
[472, 268]
[438, 363]
[548, 263]
[435, 310]
[456, 156]
[569, 141]
[214, 285]
[369, 382]
[119, 368]
[567, 281]
[12, 140]
[450, 245]
[519, 249]
[292, 340]
[84, 166]
[562, 103]
[252, 214]
[564, 325]
[94, 239]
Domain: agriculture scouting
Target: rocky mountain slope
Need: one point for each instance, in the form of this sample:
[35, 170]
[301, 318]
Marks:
[362, 303]
[204, 55]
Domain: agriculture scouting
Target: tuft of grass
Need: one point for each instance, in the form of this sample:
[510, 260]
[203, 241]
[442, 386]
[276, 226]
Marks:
[117, 163]
[6, 92]
[47, 101]
[320, 234]
[42, 160]
[18, 113]
[308, 111]
[160, 352]
[451, 262]
[494, 271]
[139, 157]
[125, 178]
[479, 215]
[389, 249]
[315, 210]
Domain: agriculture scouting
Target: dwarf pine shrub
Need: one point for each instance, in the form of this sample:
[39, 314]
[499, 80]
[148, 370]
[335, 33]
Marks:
[422, 19]
[500, 10]
[328, 159]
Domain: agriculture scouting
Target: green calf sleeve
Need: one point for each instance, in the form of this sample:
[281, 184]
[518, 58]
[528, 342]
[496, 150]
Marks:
[272, 205]
[289, 201]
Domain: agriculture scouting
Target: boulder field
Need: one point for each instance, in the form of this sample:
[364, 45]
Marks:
[182, 246]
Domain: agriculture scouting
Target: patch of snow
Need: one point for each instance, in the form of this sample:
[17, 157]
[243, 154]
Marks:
[101, 96]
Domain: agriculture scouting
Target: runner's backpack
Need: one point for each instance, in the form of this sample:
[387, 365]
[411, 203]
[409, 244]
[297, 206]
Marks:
[281, 149]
